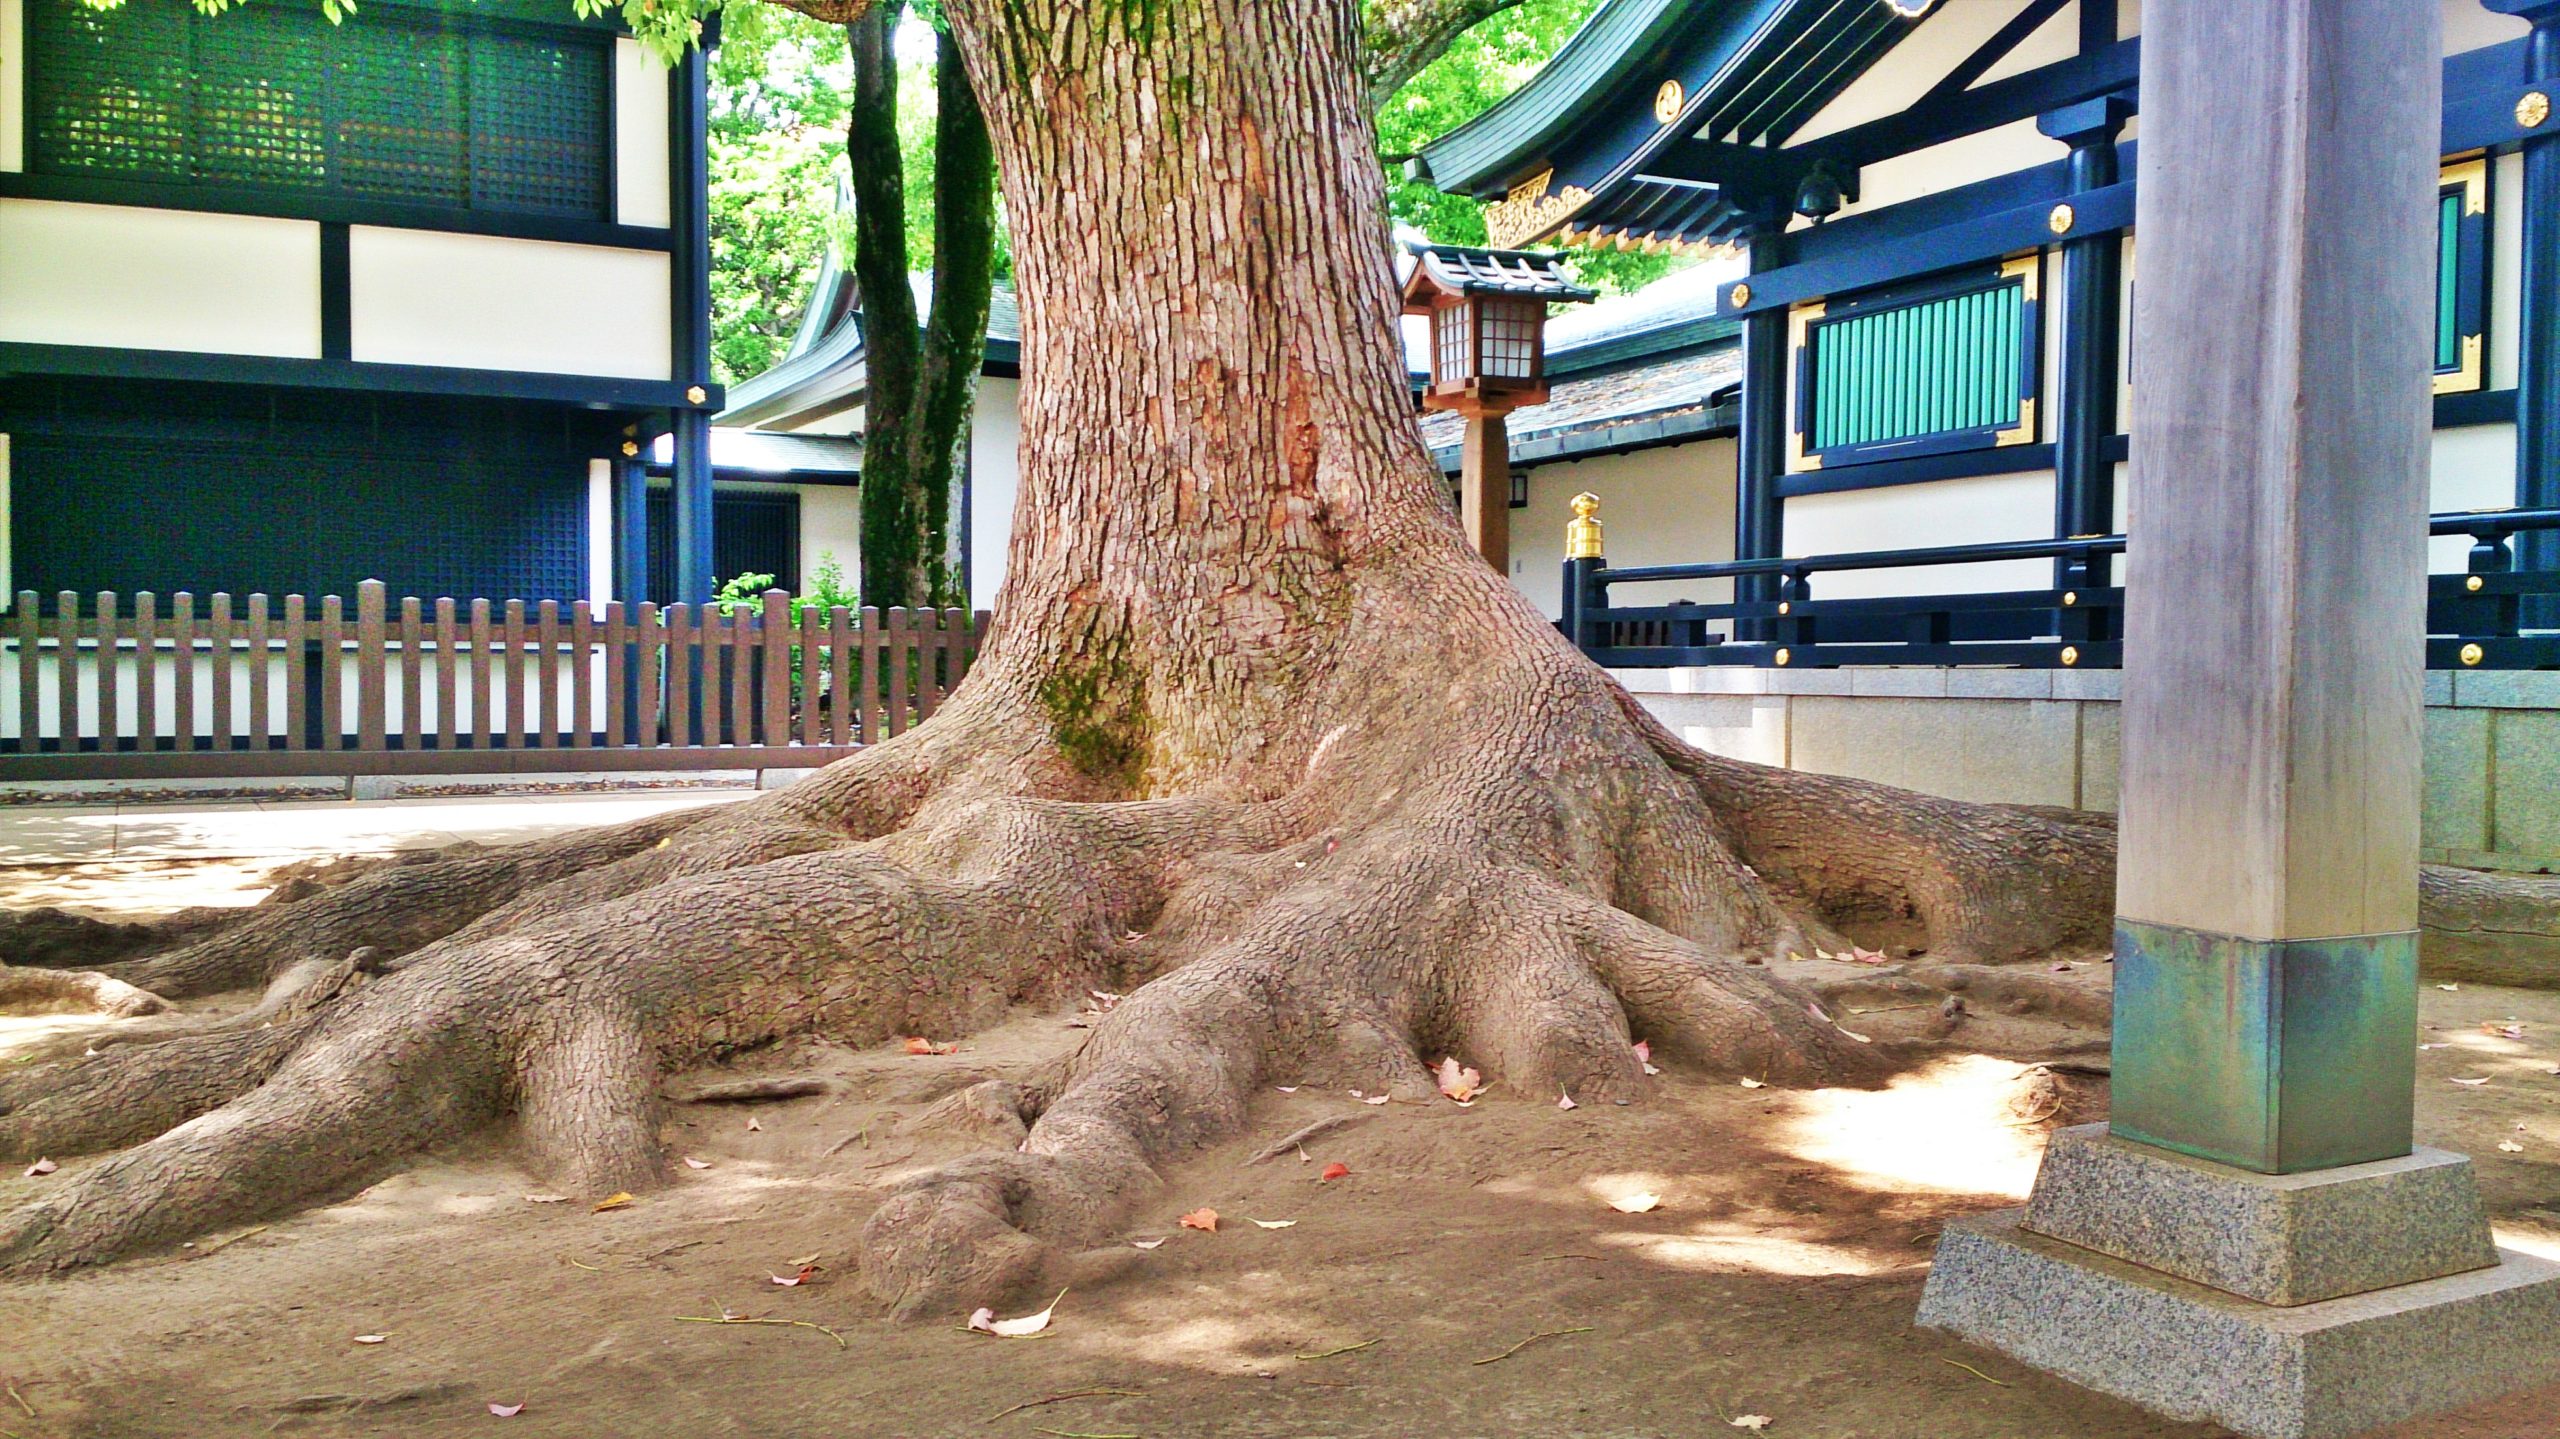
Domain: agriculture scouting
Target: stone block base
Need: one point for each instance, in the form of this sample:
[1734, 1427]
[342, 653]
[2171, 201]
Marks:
[2309, 1371]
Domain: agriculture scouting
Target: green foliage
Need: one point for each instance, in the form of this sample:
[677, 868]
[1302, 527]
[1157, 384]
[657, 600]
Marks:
[1483, 65]
[825, 589]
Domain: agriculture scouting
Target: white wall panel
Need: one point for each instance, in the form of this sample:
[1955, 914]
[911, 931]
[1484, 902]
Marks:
[599, 532]
[1942, 512]
[640, 179]
[2473, 468]
[1668, 506]
[2506, 267]
[995, 475]
[830, 524]
[129, 278]
[2469, 26]
[13, 85]
[1937, 45]
[481, 302]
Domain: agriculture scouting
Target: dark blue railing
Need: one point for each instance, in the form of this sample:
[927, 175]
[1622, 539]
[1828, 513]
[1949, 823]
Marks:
[2491, 616]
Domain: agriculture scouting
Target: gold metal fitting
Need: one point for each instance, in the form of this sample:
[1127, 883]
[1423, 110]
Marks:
[1783, 657]
[2473, 654]
[630, 447]
[2070, 656]
[1667, 102]
[1786, 607]
[2061, 220]
[1741, 296]
[695, 394]
[2533, 109]
[2070, 597]
[2472, 584]
[1582, 539]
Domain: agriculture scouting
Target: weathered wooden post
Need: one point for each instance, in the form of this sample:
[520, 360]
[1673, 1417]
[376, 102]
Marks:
[2254, 1239]
[1488, 312]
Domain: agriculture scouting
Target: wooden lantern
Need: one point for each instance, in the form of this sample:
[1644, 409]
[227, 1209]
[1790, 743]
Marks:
[1488, 312]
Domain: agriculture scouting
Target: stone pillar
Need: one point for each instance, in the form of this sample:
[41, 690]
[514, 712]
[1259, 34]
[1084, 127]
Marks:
[1484, 487]
[2254, 1239]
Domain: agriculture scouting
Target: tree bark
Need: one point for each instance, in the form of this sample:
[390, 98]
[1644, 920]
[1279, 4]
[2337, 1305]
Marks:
[1256, 738]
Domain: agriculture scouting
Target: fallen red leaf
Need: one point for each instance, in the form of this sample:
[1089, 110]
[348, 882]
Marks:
[918, 1044]
[1333, 1172]
[1459, 1082]
[1204, 1219]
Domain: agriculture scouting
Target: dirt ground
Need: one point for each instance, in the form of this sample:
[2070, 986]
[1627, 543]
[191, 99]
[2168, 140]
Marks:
[1777, 1276]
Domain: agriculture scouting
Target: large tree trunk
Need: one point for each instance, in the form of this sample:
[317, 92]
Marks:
[1255, 730]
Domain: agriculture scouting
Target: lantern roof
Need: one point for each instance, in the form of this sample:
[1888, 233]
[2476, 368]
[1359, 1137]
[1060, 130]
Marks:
[1466, 270]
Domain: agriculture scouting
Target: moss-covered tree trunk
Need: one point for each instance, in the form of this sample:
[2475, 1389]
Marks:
[1257, 737]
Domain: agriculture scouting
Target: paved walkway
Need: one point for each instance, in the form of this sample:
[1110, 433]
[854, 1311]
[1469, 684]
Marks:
[284, 830]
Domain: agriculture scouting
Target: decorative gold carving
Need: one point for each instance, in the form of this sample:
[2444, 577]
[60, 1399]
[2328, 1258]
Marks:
[2070, 598]
[1741, 296]
[695, 394]
[2472, 175]
[1786, 607]
[2473, 654]
[1582, 539]
[2070, 656]
[2025, 269]
[2022, 433]
[1529, 211]
[1667, 102]
[2472, 584]
[630, 448]
[1799, 325]
[2533, 109]
[2060, 221]
[2464, 377]
[1782, 657]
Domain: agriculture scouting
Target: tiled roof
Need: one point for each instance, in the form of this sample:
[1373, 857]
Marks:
[1589, 407]
[1470, 271]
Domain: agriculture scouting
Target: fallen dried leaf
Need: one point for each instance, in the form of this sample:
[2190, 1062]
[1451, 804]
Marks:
[2473, 1083]
[546, 1199]
[986, 1322]
[1375, 1099]
[1565, 1101]
[2435, 1046]
[753, 1124]
[2502, 1031]
[1820, 1015]
[1333, 1172]
[918, 1044]
[1754, 1084]
[2450, 988]
[1203, 1219]
[1751, 1421]
[1636, 1203]
[41, 1168]
[1853, 1034]
[506, 1411]
[1146, 1244]
[1644, 1056]
[371, 1338]
[2509, 1146]
[1287, 1088]
[803, 1276]
[612, 1201]
[1866, 956]
[692, 1163]
[1459, 1082]
[1277, 1223]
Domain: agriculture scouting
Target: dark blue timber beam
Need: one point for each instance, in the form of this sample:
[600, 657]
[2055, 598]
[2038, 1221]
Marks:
[689, 140]
[2538, 307]
[1996, 49]
[2117, 68]
[2084, 497]
[98, 362]
[1759, 514]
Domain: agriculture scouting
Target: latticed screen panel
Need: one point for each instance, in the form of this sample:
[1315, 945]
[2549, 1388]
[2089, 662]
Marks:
[1449, 345]
[1937, 367]
[1511, 336]
[406, 109]
[2449, 280]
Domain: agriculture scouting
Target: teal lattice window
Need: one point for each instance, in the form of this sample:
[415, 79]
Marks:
[2462, 275]
[404, 107]
[1947, 363]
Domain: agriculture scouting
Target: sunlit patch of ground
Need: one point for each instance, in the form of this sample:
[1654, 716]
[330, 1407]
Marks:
[1948, 1128]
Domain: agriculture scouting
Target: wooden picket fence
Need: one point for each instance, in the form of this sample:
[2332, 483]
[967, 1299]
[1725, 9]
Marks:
[427, 686]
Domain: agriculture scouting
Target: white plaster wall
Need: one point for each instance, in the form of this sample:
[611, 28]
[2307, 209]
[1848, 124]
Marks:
[8, 571]
[1667, 506]
[482, 302]
[2474, 469]
[13, 85]
[2468, 26]
[599, 532]
[995, 476]
[641, 184]
[830, 524]
[2506, 267]
[131, 278]
[2056, 40]
[1939, 43]
[1941, 512]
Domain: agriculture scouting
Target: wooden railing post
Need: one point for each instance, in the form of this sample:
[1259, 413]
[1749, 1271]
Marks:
[226, 714]
[106, 655]
[332, 670]
[776, 650]
[413, 675]
[182, 670]
[30, 675]
[261, 677]
[546, 675]
[873, 637]
[371, 673]
[66, 683]
[146, 671]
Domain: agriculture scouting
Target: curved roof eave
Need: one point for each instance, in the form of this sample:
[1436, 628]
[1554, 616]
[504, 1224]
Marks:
[1484, 153]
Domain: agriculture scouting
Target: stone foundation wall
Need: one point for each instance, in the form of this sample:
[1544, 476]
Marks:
[2049, 737]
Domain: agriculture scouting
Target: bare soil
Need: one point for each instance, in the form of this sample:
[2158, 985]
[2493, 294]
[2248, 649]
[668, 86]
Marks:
[1777, 1276]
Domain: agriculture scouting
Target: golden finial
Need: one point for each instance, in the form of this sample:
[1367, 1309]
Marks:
[1582, 532]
